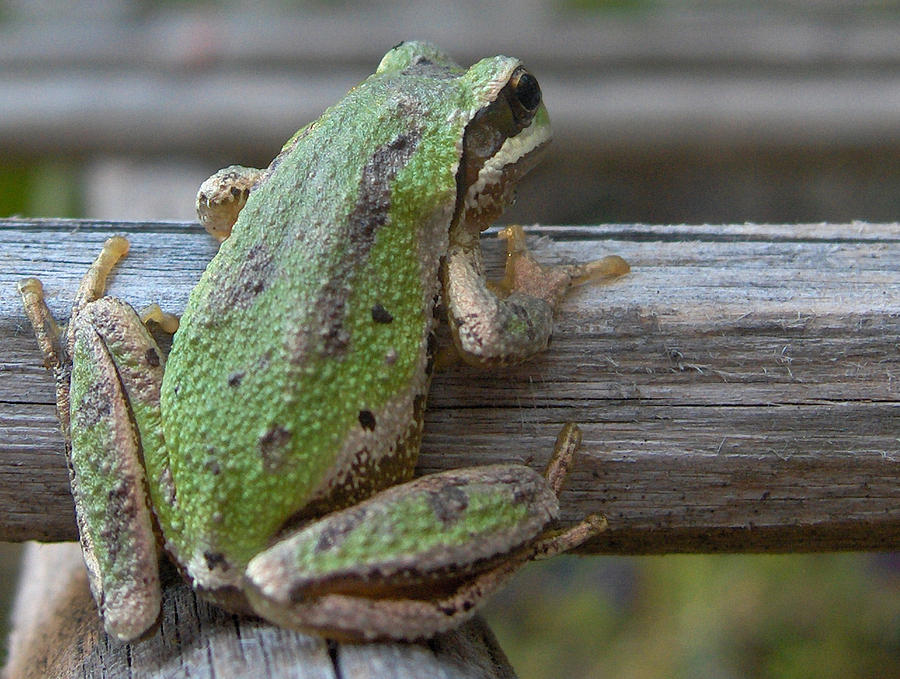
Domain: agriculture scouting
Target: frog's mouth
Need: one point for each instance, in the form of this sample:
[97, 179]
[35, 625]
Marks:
[502, 142]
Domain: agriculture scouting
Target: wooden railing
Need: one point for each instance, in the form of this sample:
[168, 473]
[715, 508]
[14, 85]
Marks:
[739, 390]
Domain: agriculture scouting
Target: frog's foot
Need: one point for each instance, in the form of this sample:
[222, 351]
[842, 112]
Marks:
[53, 341]
[507, 322]
[555, 542]
[401, 614]
[93, 284]
[167, 322]
[525, 275]
[222, 197]
[46, 330]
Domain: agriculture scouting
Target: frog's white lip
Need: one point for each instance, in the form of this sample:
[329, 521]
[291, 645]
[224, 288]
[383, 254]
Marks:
[514, 149]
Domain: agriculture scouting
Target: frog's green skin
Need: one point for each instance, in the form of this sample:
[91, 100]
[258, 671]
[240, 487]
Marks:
[297, 379]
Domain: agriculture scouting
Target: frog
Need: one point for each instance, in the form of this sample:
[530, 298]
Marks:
[271, 453]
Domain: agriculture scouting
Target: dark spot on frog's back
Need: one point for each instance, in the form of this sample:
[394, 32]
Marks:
[151, 357]
[215, 560]
[250, 279]
[381, 315]
[212, 463]
[448, 503]
[367, 420]
[273, 445]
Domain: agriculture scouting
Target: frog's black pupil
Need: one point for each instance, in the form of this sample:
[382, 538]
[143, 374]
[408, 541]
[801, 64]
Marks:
[528, 92]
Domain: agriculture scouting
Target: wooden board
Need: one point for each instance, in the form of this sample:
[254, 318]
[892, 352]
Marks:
[58, 635]
[738, 390]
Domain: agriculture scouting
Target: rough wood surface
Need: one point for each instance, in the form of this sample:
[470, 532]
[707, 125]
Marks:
[738, 390]
[58, 635]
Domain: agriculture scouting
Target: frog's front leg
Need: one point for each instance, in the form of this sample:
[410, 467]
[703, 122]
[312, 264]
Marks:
[418, 558]
[108, 372]
[222, 197]
[498, 324]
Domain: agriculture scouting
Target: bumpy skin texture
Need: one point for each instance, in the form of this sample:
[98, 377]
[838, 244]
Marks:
[116, 526]
[323, 253]
[297, 379]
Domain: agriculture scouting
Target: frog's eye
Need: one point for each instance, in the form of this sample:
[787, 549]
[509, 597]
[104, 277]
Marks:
[526, 89]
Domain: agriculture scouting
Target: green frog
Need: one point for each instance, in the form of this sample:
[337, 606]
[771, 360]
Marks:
[270, 455]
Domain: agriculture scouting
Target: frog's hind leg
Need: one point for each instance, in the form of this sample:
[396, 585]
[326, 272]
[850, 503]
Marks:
[557, 471]
[395, 565]
[108, 370]
[418, 558]
[93, 284]
[46, 330]
[345, 616]
[116, 429]
[467, 596]
[54, 341]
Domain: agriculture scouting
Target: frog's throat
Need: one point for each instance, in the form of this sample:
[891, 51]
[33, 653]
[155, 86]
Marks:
[516, 157]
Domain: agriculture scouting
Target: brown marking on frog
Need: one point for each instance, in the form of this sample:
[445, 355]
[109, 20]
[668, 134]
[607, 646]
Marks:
[371, 212]
[448, 503]
[273, 445]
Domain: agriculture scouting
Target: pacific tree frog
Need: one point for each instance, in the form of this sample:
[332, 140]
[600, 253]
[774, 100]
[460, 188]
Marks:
[270, 455]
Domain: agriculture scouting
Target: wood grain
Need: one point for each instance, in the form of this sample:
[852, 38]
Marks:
[738, 390]
[59, 635]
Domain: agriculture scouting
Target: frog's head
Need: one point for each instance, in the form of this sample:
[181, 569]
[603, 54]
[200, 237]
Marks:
[505, 137]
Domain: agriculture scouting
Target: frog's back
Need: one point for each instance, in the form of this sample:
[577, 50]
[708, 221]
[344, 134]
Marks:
[303, 348]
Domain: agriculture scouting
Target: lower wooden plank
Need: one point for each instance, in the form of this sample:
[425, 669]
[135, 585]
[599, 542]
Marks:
[57, 634]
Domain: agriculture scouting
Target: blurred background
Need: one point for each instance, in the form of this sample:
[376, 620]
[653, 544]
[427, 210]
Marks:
[664, 111]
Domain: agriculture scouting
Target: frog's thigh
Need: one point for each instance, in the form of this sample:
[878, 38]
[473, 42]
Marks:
[113, 355]
[406, 563]
[410, 618]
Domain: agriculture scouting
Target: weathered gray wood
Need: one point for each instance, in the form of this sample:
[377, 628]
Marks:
[58, 635]
[738, 390]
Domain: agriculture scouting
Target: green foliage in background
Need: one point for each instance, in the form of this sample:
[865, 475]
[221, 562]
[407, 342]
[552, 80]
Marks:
[699, 616]
[40, 189]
